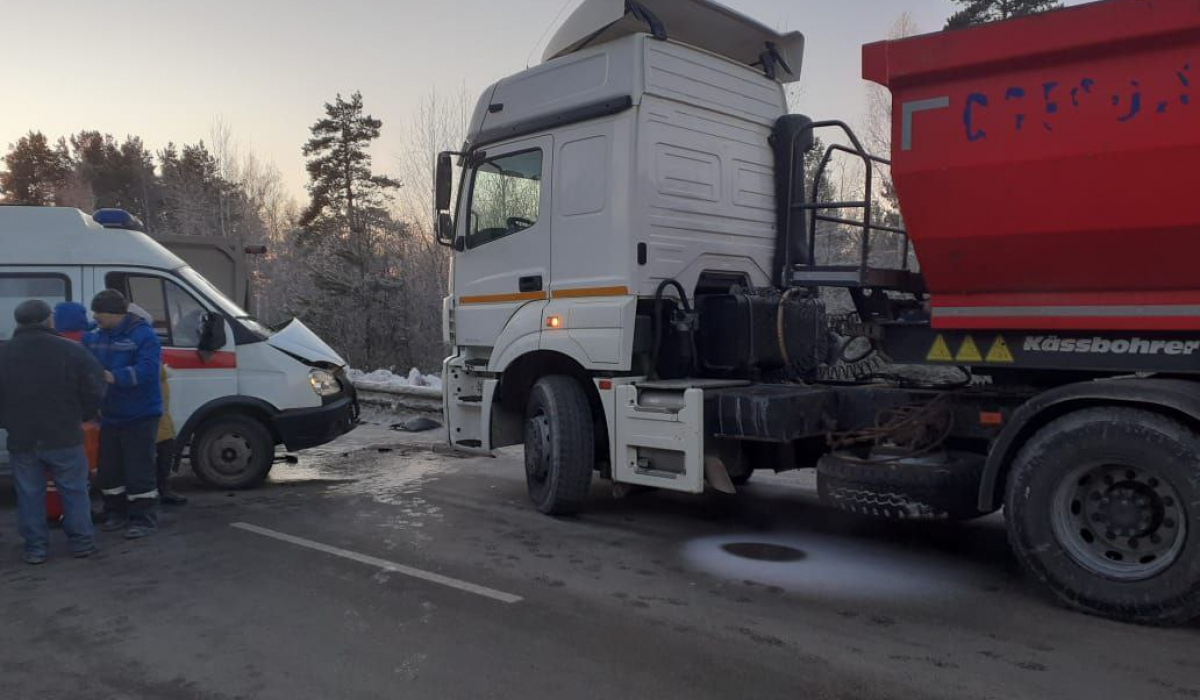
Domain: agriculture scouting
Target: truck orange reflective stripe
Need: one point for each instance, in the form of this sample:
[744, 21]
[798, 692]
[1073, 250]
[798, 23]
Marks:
[502, 298]
[618, 291]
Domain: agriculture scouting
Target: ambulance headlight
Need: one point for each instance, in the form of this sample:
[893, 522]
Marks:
[323, 382]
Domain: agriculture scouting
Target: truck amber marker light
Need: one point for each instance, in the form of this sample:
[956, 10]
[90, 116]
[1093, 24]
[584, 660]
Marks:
[554, 321]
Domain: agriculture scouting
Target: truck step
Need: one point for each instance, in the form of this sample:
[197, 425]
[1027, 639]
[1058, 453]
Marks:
[470, 399]
[469, 443]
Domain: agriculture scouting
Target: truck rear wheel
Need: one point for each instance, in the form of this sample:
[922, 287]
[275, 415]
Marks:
[559, 455]
[1098, 509]
[233, 452]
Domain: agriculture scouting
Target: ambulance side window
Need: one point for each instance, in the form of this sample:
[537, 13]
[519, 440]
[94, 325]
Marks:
[20, 287]
[177, 315]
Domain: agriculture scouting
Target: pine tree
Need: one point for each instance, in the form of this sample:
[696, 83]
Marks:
[351, 239]
[120, 173]
[35, 171]
[976, 12]
[342, 184]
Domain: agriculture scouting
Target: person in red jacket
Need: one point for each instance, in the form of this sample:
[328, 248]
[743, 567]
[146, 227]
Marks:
[71, 320]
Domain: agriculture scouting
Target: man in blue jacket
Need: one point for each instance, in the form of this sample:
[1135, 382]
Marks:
[129, 351]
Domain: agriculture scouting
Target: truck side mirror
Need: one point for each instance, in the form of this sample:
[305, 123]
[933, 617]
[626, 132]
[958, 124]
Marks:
[443, 222]
[212, 333]
[445, 181]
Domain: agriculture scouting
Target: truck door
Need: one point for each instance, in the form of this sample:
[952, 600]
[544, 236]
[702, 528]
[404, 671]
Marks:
[177, 311]
[504, 238]
[18, 284]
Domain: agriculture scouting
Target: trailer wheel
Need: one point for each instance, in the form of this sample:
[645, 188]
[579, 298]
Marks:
[1098, 509]
[233, 452]
[903, 490]
[559, 455]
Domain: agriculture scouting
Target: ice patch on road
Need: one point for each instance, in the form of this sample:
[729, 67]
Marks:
[397, 479]
[834, 567]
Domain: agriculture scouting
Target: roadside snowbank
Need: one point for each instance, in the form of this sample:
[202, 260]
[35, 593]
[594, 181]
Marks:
[384, 381]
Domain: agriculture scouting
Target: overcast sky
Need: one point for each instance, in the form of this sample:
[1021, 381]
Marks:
[165, 70]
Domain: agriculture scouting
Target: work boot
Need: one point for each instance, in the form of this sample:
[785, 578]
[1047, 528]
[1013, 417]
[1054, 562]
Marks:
[166, 496]
[85, 552]
[139, 530]
[114, 521]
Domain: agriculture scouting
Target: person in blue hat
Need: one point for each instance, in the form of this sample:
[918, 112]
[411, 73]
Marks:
[71, 320]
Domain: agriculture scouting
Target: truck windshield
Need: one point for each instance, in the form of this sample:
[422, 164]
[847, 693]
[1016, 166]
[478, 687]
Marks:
[226, 305]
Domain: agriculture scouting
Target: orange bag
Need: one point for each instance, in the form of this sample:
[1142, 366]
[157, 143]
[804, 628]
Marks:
[91, 447]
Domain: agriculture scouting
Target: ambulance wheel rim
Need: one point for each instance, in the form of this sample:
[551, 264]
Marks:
[231, 454]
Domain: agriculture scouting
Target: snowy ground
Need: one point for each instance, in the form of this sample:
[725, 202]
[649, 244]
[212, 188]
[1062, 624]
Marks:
[383, 380]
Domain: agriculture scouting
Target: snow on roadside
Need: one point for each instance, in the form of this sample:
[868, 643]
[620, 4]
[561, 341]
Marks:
[384, 380]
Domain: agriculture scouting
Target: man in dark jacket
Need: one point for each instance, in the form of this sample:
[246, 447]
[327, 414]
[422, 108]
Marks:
[48, 387]
[129, 351]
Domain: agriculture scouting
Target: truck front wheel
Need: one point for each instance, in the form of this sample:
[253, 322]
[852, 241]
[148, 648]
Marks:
[1102, 507]
[559, 455]
[232, 452]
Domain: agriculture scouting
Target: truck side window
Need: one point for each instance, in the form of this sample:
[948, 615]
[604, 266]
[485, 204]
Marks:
[177, 315]
[505, 197]
[16, 288]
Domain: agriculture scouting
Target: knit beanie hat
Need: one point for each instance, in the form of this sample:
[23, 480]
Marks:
[70, 316]
[110, 301]
[32, 313]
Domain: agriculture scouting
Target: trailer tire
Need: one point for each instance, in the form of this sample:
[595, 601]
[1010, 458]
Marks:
[1097, 507]
[903, 491]
[559, 452]
[232, 452]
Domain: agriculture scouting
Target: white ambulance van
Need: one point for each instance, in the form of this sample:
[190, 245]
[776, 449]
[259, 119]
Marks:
[238, 389]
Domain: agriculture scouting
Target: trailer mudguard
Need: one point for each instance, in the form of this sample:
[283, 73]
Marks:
[1179, 397]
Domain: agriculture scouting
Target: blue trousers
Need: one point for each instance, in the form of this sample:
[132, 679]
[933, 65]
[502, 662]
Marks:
[70, 471]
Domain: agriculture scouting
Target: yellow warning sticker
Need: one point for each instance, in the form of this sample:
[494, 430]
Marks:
[1000, 354]
[969, 352]
[940, 352]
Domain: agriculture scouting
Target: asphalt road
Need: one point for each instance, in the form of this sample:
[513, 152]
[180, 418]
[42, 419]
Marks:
[412, 573]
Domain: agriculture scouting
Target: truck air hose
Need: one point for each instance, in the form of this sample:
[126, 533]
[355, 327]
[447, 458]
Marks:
[656, 345]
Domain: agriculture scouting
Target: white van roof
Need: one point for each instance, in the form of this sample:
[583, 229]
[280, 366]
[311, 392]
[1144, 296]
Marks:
[64, 236]
[705, 24]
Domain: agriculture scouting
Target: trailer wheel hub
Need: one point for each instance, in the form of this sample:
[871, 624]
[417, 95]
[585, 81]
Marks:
[1124, 523]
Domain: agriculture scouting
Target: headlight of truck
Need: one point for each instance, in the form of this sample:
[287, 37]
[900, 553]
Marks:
[323, 382]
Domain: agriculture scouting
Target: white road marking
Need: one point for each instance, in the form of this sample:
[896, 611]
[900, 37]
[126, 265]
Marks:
[382, 564]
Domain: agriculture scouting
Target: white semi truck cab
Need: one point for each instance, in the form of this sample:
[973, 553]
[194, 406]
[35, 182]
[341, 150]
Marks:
[625, 160]
[637, 292]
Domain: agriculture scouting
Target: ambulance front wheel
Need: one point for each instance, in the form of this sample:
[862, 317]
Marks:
[233, 452]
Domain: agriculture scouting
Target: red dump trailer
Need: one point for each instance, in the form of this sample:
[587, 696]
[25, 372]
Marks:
[1045, 171]
[1046, 167]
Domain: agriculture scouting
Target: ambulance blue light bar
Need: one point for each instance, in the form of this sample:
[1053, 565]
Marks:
[118, 218]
